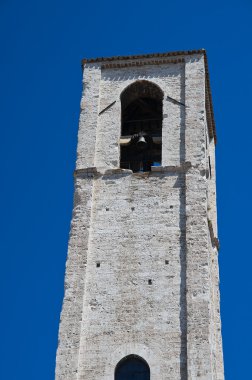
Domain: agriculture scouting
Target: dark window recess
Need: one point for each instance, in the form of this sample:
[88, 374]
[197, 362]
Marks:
[142, 125]
[132, 368]
[98, 265]
[150, 282]
[166, 261]
[210, 168]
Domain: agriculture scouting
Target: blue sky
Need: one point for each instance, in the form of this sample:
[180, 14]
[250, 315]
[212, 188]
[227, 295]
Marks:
[42, 44]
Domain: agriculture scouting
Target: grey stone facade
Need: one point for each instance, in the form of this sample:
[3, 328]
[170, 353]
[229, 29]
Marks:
[142, 268]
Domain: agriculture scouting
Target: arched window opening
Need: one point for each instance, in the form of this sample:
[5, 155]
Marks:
[132, 367]
[142, 114]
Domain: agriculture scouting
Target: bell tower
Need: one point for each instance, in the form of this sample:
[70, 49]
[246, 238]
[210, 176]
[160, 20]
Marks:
[142, 285]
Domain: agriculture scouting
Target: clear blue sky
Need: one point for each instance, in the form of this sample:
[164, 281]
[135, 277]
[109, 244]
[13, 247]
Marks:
[42, 43]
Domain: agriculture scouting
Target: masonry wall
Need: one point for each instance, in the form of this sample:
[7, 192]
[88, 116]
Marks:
[135, 236]
[142, 272]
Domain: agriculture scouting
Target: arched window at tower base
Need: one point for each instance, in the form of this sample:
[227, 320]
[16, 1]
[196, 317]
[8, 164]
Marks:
[132, 367]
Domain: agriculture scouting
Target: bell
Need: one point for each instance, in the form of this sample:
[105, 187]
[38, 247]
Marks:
[141, 141]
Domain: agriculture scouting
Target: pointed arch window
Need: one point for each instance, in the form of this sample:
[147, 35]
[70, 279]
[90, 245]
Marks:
[141, 131]
[132, 367]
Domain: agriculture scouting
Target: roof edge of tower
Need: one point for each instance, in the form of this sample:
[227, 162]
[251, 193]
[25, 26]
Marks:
[209, 103]
[140, 56]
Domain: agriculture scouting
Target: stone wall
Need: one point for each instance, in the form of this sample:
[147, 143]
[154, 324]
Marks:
[135, 237]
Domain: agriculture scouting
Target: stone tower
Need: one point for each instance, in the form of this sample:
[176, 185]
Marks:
[142, 284]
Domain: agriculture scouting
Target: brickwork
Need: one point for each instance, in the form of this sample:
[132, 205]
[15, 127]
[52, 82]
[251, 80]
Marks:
[142, 271]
